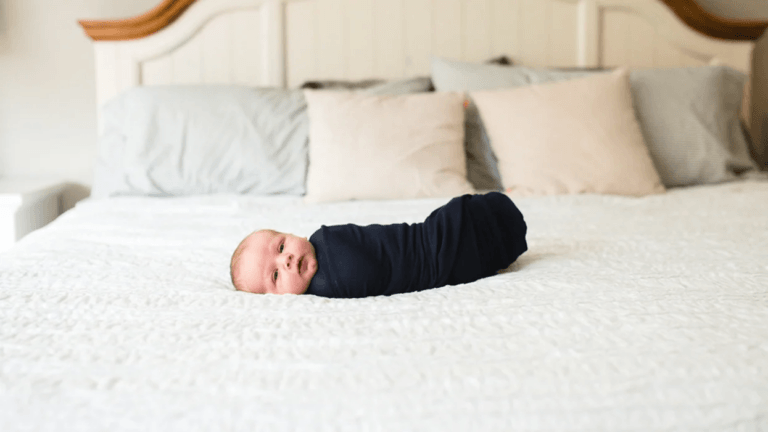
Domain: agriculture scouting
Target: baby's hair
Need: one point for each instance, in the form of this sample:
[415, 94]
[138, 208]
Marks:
[234, 261]
[234, 270]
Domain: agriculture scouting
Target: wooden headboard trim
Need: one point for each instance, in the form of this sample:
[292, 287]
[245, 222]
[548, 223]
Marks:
[712, 25]
[168, 10]
[137, 27]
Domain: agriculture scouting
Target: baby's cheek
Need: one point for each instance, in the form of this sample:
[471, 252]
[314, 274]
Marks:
[298, 285]
[301, 288]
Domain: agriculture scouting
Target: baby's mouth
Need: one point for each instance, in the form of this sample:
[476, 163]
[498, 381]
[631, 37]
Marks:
[301, 260]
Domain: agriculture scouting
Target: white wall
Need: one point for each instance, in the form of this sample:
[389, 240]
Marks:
[47, 98]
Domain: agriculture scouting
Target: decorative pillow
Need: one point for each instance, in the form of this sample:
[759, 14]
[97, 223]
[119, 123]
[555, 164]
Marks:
[689, 116]
[579, 136]
[385, 147]
[183, 140]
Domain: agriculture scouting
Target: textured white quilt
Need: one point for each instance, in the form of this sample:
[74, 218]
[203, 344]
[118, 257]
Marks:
[625, 314]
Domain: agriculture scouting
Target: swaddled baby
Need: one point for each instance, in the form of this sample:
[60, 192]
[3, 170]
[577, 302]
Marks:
[469, 238]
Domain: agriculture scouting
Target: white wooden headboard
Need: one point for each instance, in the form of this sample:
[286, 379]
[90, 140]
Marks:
[286, 42]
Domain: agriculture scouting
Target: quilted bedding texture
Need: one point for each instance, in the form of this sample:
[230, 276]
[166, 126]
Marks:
[625, 314]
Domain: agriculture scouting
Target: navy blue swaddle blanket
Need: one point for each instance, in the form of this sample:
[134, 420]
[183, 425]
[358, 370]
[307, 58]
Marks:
[469, 238]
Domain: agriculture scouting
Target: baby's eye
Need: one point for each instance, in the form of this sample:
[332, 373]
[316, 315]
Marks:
[281, 248]
[274, 276]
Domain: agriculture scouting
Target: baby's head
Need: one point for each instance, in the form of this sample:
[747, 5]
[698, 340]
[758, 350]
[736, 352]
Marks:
[271, 262]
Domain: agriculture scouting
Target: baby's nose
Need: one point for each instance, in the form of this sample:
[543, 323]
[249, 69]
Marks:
[288, 260]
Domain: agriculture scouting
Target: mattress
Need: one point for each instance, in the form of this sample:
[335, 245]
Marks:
[625, 314]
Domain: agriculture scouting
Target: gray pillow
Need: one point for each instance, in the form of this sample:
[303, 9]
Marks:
[341, 84]
[185, 140]
[380, 86]
[401, 87]
[375, 86]
[689, 116]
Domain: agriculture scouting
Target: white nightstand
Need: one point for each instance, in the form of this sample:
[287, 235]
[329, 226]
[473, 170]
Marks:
[26, 204]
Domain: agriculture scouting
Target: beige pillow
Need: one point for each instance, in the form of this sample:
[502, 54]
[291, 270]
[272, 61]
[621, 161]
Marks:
[578, 136]
[385, 147]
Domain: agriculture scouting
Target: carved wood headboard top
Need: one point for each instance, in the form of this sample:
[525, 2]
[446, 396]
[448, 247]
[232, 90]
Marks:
[712, 25]
[167, 11]
[139, 26]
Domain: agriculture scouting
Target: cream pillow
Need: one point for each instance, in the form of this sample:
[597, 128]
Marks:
[385, 147]
[578, 136]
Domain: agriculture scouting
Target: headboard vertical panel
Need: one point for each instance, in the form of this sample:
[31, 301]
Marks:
[301, 43]
[186, 60]
[504, 14]
[390, 38]
[115, 70]
[477, 23]
[360, 39]
[563, 48]
[533, 24]
[635, 43]
[542, 33]
[272, 43]
[564, 27]
[158, 71]
[107, 69]
[588, 34]
[417, 36]
[248, 59]
[330, 38]
[216, 57]
[447, 29]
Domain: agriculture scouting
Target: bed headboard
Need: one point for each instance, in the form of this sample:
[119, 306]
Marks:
[286, 42]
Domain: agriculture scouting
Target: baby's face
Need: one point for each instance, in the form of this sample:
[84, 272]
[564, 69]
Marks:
[276, 263]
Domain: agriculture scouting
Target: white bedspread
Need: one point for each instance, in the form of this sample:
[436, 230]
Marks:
[625, 314]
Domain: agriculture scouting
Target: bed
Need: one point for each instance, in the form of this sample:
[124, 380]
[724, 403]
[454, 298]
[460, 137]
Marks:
[626, 313]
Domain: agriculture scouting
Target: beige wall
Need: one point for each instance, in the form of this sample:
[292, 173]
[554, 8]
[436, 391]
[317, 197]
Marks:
[744, 9]
[47, 100]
